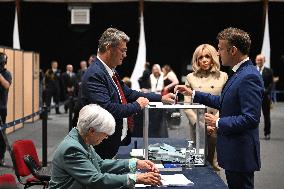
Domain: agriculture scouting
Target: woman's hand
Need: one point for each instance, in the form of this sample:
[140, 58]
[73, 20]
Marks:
[150, 178]
[147, 165]
[168, 98]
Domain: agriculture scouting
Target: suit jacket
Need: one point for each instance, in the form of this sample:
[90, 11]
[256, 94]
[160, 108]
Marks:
[240, 108]
[68, 82]
[52, 80]
[76, 166]
[267, 76]
[98, 87]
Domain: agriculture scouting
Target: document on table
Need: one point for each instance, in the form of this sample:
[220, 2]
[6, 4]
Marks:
[172, 180]
[137, 153]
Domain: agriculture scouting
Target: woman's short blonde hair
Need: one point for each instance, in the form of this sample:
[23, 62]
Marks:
[215, 68]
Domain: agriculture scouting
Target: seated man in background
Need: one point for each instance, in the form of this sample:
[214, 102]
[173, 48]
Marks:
[76, 165]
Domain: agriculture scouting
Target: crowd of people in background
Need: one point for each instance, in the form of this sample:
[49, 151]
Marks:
[61, 86]
[230, 115]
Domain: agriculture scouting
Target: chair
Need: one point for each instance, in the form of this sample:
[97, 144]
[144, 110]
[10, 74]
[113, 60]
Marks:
[26, 163]
[7, 179]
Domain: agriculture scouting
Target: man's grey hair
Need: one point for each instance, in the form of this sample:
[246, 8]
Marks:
[94, 116]
[112, 37]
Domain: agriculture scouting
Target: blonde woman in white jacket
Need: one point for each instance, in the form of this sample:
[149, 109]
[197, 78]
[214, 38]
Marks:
[206, 77]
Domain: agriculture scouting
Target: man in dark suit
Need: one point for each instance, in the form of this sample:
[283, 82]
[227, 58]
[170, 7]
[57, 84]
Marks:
[69, 83]
[267, 76]
[239, 104]
[102, 85]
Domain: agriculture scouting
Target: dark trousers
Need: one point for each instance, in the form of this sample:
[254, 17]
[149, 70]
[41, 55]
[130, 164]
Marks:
[49, 93]
[240, 180]
[266, 114]
[3, 115]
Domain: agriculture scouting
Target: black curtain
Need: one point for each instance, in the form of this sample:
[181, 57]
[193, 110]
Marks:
[7, 15]
[172, 30]
[276, 30]
[46, 28]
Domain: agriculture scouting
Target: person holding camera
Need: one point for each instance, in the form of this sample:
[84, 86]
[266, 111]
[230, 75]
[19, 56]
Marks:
[5, 82]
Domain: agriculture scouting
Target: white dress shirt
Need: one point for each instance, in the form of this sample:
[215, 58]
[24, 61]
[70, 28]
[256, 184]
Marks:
[111, 72]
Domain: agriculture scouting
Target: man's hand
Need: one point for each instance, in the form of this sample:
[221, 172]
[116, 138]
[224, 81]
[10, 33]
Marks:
[210, 120]
[168, 98]
[150, 178]
[183, 89]
[210, 130]
[147, 165]
[142, 102]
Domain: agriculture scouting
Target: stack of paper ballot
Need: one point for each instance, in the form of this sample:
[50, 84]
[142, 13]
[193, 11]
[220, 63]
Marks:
[172, 180]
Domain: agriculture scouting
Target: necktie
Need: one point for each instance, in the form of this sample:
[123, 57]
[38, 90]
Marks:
[130, 121]
[260, 71]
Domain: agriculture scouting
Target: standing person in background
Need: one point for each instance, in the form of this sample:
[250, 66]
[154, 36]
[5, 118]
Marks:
[127, 81]
[267, 76]
[170, 79]
[5, 83]
[157, 79]
[41, 84]
[144, 80]
[158, 121]
[206, 77]
[92, 59]
[81, 71]
[101, 85]
[239, 106]
[52, 86]
[273, 90]
[69, 82]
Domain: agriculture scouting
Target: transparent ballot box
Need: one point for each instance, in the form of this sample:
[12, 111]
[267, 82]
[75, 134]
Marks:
[170, 130]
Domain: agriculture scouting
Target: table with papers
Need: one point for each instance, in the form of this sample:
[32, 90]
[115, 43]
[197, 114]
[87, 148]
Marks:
[199, 177]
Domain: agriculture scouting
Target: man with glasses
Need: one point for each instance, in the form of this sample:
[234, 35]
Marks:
[102, 85]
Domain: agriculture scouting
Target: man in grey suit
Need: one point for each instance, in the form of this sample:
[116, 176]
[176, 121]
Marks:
[76, 165]
[238, 150]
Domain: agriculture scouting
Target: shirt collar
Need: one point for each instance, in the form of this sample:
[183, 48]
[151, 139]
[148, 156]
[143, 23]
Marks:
[260, 68]
[236, 67]
[109, 71]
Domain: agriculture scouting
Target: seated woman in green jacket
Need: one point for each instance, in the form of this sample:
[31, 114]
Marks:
[76, 165]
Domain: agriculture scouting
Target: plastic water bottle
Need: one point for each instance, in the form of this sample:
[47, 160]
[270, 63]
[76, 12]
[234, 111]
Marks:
[189, 161]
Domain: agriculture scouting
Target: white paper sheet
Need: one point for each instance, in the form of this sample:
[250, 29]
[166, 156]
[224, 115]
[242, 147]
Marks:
[172, 180]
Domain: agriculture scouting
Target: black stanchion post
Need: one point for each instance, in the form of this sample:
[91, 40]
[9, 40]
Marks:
[44, 136]
[71, 110]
